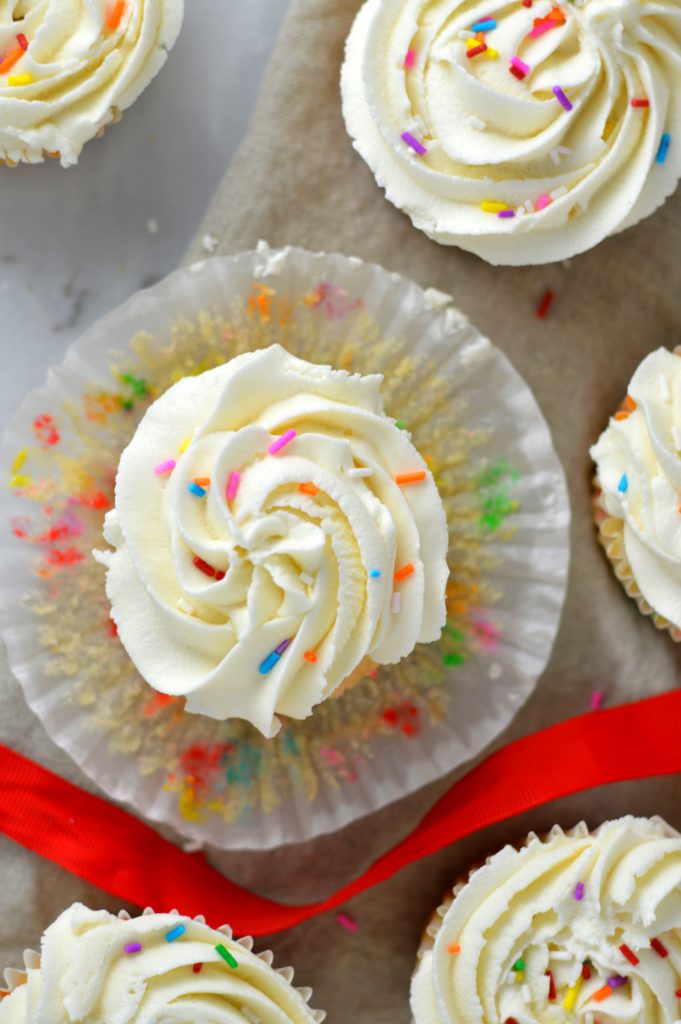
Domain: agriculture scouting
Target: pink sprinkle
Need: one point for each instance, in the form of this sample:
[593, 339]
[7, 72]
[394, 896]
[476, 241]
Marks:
[346, 922]
[165, 467]
[543, 26]
[233, 484]
[596, 700]
[520, 65]
[414, 143]
[543, 202]
[410, 58]
[281, 442]
[562, 98]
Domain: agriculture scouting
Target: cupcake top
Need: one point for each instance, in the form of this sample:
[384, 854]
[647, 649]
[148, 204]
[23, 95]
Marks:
[95, 968]
[638, 459]
[69, 68]
[272, 527]
[524, 132]
[577, 926]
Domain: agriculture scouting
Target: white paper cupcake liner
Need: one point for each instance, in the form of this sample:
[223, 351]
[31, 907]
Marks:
[490, 450]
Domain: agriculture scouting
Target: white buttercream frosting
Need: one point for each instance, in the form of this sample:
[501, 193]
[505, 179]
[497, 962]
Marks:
[313, 569]
[571, 177]
[589, 909]
[84, 975]
[83, 62]
[638, 461]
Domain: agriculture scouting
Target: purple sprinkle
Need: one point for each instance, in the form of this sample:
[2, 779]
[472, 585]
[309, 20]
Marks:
[414, 143]
[506, 214]
[616, 981]
[133, 947]
[282, 646]
[562, 98]
[579, 891]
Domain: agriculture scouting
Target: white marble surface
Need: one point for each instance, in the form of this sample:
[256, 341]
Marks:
[75, 243]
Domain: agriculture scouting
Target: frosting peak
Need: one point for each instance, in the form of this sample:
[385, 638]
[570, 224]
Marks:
[272, 528]
[527, 136]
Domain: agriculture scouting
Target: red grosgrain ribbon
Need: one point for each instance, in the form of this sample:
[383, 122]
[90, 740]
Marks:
[106, 846]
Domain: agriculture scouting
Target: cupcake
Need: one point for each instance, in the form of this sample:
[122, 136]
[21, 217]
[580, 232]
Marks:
[272, 529]
[638, 490]
[526, 133]
[575, 925]
[67, 70]
[95, 968]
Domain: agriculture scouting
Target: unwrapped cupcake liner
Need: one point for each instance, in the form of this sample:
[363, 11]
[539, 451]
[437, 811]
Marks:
[470, 414]
[611, 537]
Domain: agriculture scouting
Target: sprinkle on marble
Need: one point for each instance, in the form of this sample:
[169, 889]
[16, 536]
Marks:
[562, 98]
[623, 485]
[545, 304]
[629, 954]
[659, 948]
[175, 933]
[413, 143]
[133, 947]
[661, 155]
[281, 442]
[165, 467]
[226, 956]
[345, 921]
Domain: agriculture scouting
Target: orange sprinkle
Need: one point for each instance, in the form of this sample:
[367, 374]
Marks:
[623, 414]
[405, 571]
[309, 489]
[202, 481]
[310, 656]
[115, 14]
[11, 59]
[629, 403]
[55, 155]
[411, 478]
[455, 947]
[602, 993]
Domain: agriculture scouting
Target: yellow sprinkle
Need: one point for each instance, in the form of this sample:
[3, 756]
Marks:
[185, 444]
[19, 460]
[519, 975]
[571, 997]
[20, 79]
[470, 43]
[18, 480]
[492, 206]
[492, 54]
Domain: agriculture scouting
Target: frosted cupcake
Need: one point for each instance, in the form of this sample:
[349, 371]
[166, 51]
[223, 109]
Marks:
[638, 490]
[272, 529]
[68, 69]
[95, 968]
[524, 133]
[575, 926]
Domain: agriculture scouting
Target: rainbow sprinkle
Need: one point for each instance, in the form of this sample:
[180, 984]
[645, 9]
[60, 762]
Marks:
[20, 79]
[492, 206]
[486, 25]
[571, 997]
[414, 143]
[454, 947]
[579, 891]
[543, 201]
[629, 954]
[623, 485]
[115, 14]
[664, 148]
[196, 490]
[602, 993]
[520, 65]
[374, 574]
[133, 947]
[233, 485]
[406, 570]
[271, 660]
[617, 980]
[22, 41]
[281, 442]
[640, 103]
[506, 214]
[659, 948]
[226, 956]
[562, 98]
[475, 50]
[165, 467]
[596, 701]
[415, 477]
[175, 933]
[346, 922]
[410, 58]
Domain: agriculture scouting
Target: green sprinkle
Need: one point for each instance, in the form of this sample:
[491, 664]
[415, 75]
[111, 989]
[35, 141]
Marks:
[226, 955]
[519, 965]
[456, 634]
[454, 659]
[401, 424]
[138, 385]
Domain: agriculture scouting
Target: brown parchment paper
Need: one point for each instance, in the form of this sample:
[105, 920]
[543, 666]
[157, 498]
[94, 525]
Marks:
[297, 180]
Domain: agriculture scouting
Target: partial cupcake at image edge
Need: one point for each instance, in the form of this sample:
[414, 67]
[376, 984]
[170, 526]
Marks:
[68, 70]
[525, 134]
[96, 968]
[272, 530]
[574, 925]
[637, 490]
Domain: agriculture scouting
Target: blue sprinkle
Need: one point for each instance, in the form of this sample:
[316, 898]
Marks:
[664, 148]
[269, 663]
[375, 573]
[195, 489]
[623, 485]
[484, 26]
[175, 933]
